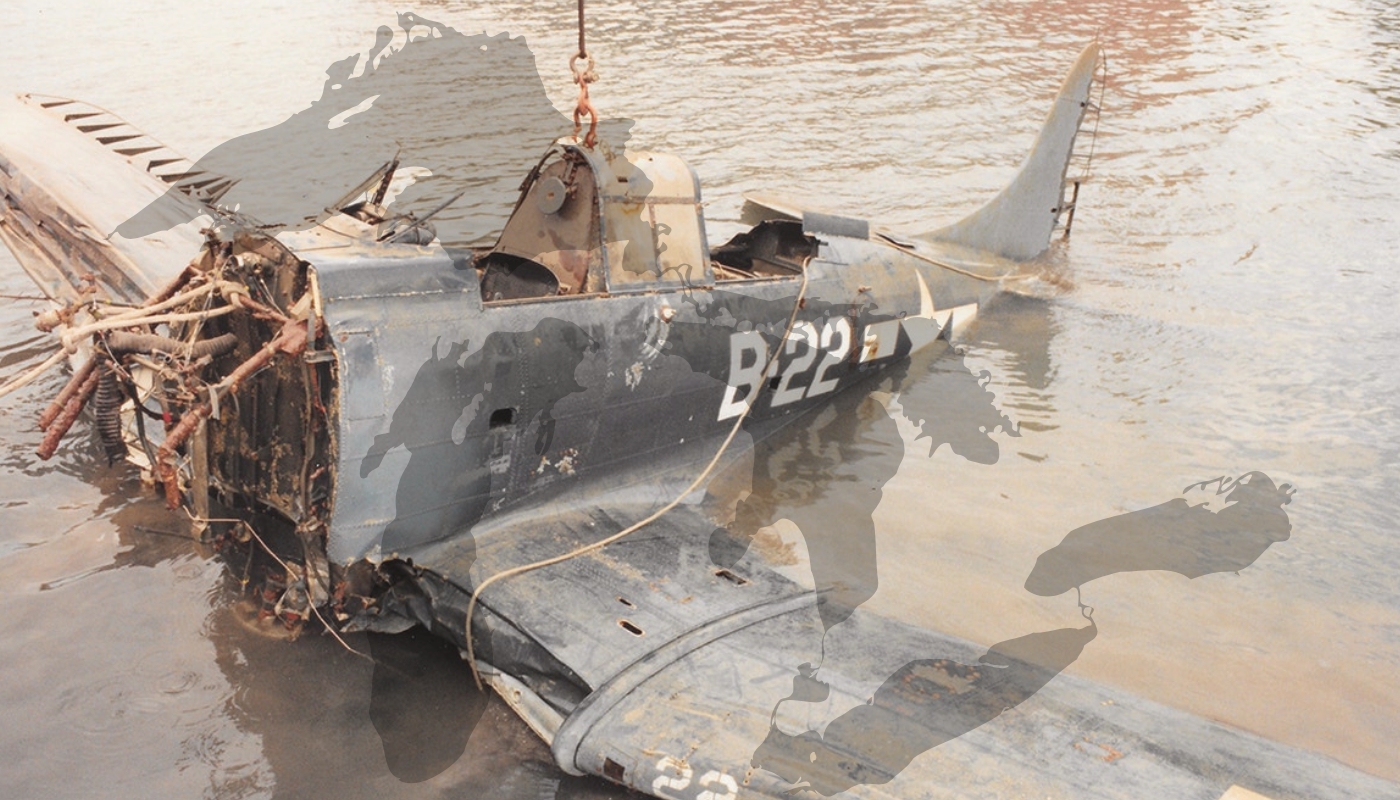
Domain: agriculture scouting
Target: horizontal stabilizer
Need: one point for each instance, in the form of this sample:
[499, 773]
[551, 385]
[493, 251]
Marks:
[761, 206]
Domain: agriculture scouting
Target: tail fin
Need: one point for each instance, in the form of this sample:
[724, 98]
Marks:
[1018, 222]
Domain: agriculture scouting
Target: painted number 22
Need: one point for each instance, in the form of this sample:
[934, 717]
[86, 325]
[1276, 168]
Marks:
[748, 352]
[715, 785]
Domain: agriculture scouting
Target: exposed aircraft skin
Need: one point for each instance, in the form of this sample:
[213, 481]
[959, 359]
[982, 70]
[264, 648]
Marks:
[579, 378]
[400, 421]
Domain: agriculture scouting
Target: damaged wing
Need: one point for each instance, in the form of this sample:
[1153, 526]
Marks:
[70, 174]
[645, 664]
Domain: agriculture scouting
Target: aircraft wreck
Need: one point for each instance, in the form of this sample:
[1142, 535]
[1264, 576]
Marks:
[382, 432]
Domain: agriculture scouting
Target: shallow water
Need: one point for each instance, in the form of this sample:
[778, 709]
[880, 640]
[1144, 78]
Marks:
[1227, 303]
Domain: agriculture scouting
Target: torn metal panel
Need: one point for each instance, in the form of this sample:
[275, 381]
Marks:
[543, 719]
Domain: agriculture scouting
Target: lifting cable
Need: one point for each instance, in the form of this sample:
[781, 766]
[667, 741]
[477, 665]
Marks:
[704, 475]
[581, 65]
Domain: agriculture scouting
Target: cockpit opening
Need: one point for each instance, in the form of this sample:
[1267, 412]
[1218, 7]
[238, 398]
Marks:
[773, 248]
[594, 220]
[510, 277]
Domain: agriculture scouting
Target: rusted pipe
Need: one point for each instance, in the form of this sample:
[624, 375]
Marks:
[258, 309]
[69, 389]
[171, 288]
[150, 309]
[290, 340]
[166, 454]
[148, 343]
[60, 425]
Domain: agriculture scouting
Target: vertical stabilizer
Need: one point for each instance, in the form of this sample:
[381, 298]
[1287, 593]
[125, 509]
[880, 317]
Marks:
[1018, 222]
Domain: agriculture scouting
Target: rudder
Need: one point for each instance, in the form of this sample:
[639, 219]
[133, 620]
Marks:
[1019, 221]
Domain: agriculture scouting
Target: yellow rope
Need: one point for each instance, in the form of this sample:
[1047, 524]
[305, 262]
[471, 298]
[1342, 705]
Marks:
[588, 548]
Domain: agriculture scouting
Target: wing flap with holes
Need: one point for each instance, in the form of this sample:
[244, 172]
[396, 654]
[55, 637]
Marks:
[697, 683]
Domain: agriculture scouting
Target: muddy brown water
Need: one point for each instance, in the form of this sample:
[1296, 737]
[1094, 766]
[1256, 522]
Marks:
[1228, 303]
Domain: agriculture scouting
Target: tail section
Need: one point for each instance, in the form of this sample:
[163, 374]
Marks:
[1019, 221]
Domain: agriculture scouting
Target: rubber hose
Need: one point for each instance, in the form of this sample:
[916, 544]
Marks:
[107, 405]
[126, 342]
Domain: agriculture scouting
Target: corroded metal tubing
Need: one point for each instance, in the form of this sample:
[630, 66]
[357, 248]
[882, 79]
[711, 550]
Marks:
[258, 309]
[171, 288]
[291, 340]
[68, 415]
[166, 454]
[71, 388]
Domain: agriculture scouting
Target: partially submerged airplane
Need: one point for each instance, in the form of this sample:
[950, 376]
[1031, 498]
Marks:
[395, 425]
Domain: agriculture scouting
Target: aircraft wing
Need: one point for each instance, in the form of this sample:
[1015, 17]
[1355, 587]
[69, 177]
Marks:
[648, 665]
[70, 174]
